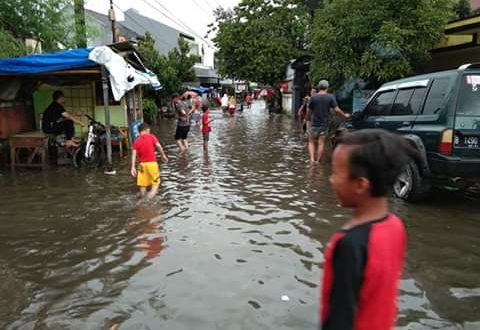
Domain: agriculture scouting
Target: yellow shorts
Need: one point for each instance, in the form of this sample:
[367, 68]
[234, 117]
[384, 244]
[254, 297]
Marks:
[148, 174]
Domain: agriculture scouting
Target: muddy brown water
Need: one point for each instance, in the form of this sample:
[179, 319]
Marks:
[231, 233]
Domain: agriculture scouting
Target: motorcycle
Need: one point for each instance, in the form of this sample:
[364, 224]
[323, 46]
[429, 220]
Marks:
[91, 153]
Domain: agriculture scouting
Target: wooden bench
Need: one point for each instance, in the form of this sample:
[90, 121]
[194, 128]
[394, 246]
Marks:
[34, 144]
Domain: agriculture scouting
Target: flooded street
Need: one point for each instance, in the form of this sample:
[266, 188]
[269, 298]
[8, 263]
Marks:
[235, 240]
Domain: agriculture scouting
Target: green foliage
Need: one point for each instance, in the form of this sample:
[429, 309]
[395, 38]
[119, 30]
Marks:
[150, 109]
[49, 21]
[376, 41]
[258, 38]
[172, 69]
[463, 9]
[10, 46]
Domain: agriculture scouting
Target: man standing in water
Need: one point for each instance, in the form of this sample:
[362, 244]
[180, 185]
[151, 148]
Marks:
[318, 118]
[183, 123]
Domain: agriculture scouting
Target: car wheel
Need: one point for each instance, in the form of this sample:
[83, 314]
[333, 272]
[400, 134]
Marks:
[411, 185]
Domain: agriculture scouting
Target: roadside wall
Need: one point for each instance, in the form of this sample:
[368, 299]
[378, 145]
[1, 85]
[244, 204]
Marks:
[14, 118]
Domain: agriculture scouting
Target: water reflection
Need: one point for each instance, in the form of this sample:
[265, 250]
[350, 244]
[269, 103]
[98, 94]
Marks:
[232, 231]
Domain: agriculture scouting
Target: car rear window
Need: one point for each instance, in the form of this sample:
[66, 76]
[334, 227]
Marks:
[469, 101]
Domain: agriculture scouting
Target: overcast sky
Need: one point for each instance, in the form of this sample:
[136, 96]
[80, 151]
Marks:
[197, 14]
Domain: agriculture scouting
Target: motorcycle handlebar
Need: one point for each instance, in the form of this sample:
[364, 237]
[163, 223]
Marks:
[94, 121]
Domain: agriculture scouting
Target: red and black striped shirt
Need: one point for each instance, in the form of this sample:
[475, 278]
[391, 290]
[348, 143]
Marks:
[363, 266]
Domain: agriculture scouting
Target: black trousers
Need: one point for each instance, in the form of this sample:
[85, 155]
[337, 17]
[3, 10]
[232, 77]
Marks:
[64, 127]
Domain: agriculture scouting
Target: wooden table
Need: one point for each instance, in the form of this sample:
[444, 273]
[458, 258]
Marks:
[36, 145]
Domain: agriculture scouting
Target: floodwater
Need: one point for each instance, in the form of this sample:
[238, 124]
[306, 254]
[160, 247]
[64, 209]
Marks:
[235, 240]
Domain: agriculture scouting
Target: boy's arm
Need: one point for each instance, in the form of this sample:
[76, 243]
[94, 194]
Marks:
[162, 153]
[133, 170]
[348, 266]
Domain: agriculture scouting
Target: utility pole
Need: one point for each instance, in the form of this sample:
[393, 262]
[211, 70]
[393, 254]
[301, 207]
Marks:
[80, 30]
[106, 98]
[111, 16]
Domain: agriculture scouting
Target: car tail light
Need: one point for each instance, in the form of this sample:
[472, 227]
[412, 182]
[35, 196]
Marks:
[446, 142]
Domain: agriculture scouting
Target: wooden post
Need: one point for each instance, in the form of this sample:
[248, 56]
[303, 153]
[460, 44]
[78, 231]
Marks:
[106, 102]
[130, 100]
[140, 101]
[134, 100]
[111, 16]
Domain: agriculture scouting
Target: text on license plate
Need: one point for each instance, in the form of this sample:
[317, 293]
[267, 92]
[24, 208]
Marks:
[467, 141]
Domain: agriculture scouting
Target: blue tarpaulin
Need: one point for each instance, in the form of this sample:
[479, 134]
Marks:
[48, 62]
[200, 90]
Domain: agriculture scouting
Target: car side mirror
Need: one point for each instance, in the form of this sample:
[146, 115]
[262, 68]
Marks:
[358, 115]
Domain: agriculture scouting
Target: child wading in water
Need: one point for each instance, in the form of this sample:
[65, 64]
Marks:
[148, 174]
[364, 259]
[206, 128]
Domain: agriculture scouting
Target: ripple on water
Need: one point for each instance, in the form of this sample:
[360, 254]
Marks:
[230, 234]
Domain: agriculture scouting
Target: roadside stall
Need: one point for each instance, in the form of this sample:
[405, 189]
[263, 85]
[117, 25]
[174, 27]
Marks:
[102, 83]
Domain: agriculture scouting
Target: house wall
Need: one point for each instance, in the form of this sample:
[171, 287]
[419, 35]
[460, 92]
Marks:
[287, 103]
[80, 100]
[475, 4]
[451, 59]
[14, 118]
[117, 114]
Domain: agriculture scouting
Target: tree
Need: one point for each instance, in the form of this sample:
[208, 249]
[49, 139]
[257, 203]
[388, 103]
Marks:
[172, 69]
[463, 9]
[258, 38]
[10, 46]
[376, 41]
[49, 21]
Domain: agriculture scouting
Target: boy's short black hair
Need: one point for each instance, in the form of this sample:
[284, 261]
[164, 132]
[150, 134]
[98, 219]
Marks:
[143, 127]
[205, 107]
[379, 156]
[57, 94]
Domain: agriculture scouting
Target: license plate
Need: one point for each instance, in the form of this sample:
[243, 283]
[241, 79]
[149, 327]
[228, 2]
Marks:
[470, 142]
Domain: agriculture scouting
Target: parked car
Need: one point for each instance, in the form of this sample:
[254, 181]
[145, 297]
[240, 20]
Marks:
[439, 113]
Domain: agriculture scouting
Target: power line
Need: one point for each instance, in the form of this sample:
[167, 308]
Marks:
[218, 3]
[202, 9]
[210, 6]
[178, 21]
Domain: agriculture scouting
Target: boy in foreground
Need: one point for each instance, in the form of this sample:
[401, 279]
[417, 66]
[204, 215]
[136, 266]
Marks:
[148, 174]
[364, 259]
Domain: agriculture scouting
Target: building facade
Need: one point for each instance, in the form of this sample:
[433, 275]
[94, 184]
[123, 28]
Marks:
[135, 25]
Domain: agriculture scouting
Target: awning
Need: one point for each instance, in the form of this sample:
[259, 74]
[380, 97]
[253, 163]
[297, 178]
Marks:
[121, 60]
[48, 62]
[200, 89]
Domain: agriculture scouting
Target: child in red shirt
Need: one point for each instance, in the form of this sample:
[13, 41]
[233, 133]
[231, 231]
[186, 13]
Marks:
[364, 259]
[148, 174]
[206, 128]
